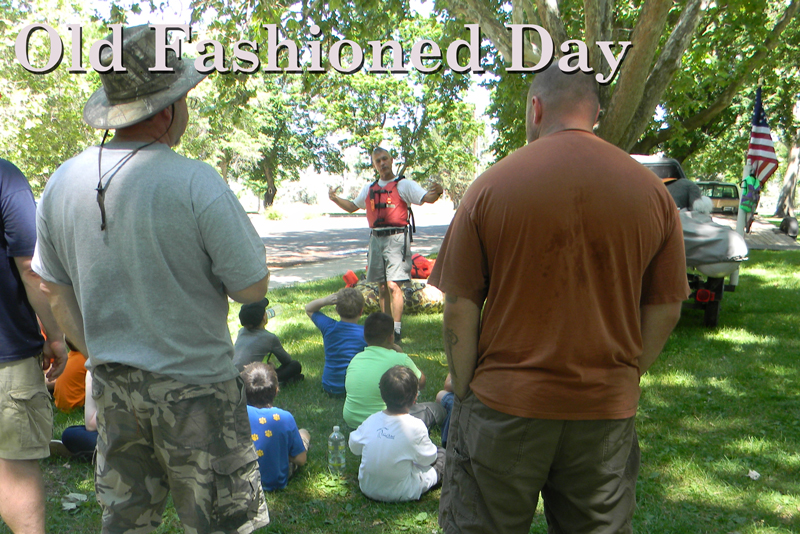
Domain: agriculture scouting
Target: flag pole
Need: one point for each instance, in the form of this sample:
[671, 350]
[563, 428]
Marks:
[740, 218]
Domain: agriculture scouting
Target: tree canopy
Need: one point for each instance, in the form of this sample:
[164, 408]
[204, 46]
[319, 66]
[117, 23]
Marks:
[685, 87]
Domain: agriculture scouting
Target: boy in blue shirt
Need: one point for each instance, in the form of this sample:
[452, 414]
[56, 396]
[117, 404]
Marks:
[342, 339]
[280, 446]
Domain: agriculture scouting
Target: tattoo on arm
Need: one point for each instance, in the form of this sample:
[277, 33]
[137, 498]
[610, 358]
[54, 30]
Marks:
[452, 299]
[450, 340]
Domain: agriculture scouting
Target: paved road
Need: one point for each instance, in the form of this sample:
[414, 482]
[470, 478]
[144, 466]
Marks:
[293, 248]
[300, 251]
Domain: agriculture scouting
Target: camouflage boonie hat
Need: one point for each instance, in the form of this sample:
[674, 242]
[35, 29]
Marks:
[133, 96]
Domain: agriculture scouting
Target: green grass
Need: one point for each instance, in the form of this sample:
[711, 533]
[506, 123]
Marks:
[716, 405]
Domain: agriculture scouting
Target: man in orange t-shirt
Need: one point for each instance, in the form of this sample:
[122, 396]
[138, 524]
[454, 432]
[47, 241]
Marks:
[564, 273]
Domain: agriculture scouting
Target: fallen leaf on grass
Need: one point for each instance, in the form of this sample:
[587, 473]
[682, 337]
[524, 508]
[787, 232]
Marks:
[72, 501]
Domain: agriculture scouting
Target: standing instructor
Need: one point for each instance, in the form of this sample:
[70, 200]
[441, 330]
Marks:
[388, 204]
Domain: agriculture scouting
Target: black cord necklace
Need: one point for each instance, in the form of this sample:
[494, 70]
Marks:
[101, 189]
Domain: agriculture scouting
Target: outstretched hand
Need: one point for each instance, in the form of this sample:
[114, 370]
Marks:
[436, 189]
[332, 192]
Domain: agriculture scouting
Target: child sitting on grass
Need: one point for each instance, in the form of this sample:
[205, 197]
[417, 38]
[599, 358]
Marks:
[398, 460]
[366, 369]
[342, 339]
[80, 441]
[280, 446]
[256, 344]
[445, 397]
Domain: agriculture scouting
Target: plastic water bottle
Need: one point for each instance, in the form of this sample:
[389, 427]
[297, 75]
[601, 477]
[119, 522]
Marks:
[273, 311]
[336, 457]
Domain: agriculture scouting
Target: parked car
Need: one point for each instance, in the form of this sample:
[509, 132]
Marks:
[662, 166]
[724, 196]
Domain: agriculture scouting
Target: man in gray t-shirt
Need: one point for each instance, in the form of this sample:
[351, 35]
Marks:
[140, 249]
[684, 192]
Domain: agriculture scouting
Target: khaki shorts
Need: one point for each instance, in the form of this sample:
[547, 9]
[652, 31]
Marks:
[158, 435]
[386, 260]
[26, 415]
[497, 465]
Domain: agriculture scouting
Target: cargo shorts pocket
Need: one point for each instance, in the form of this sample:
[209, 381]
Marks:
[237, 486]
[618, 438]
[188, 416]
[33, 416]
[462, 497]
[496, 440]
[460, 492]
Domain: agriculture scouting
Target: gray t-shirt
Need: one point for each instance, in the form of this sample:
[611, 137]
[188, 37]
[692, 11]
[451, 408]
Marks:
[152, 286]
[255, 345]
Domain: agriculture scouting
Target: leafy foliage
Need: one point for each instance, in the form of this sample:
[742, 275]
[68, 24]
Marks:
[41, 116]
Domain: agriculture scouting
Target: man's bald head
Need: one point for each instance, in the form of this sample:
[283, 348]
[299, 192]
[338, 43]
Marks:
[563, 98]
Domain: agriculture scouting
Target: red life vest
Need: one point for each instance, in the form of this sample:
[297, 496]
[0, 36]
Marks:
[421, 266]
[385, 207]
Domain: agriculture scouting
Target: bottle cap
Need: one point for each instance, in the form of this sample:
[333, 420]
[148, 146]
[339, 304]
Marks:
[335, 428]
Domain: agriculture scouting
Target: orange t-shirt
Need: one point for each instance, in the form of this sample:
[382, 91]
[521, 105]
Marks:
[70, 389]
[563, 241]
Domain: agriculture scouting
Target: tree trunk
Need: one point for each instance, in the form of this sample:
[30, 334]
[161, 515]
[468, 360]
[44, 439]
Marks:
[785, 206]
[224, 166]
[599, 15]
[480, 12]
[633, 74]
[269, 194]
[551, 21]
[664, 70]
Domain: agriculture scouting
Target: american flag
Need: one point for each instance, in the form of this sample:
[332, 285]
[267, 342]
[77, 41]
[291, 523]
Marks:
[761, 152]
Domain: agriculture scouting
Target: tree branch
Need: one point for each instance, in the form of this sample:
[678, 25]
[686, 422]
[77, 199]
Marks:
[599, 16]
[737, 80]
[664, 70]
[551, 21]
[478, 12]
[630, 84]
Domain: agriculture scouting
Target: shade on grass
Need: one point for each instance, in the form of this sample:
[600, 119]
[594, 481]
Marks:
[717, 405]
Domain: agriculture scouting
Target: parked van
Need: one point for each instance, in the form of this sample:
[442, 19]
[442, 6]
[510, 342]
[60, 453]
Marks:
[724, 196]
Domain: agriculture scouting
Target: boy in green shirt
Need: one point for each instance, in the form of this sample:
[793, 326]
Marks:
[365, 371]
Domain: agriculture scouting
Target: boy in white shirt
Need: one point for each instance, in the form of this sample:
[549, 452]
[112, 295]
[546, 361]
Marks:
[398, 460]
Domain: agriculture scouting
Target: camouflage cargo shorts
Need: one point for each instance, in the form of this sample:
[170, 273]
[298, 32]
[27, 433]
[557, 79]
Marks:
[158, 435]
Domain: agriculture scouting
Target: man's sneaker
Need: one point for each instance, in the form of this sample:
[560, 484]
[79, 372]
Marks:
[398, 337]
[57, 448]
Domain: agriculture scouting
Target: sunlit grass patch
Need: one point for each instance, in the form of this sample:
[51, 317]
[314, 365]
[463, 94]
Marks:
[739, 336]
[717, 404]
